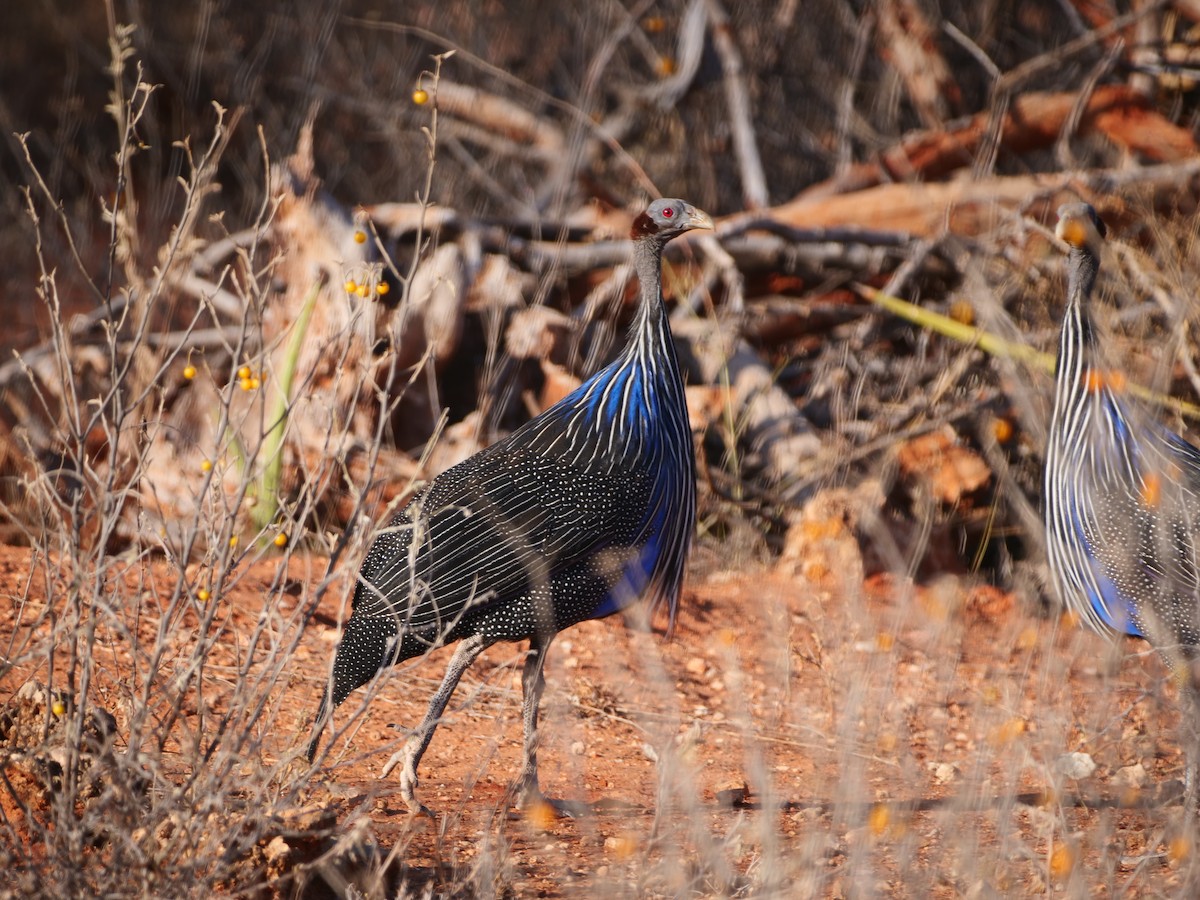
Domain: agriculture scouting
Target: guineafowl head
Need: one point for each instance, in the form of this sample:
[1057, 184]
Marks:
[668, 218]
[1081, 227]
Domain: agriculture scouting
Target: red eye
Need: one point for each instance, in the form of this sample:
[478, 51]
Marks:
[668, 213]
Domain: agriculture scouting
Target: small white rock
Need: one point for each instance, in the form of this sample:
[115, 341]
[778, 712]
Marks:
[943, 773]
[1076, 765]
[1131, 776]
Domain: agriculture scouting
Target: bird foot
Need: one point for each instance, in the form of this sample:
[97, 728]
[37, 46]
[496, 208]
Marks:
[537, 807]
[395, 760]
[417, 810]
[408, 779]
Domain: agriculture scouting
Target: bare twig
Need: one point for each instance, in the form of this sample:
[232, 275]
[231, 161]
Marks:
[737, 99]
[908, 42]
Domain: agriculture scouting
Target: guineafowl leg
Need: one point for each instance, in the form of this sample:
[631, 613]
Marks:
[533, 683]
[1190, 733]
[414, 748]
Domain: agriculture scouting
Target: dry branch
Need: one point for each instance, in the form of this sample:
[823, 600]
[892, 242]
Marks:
[763, 416]
[737, 98]
[971, 207]
[1032, 122]
[502, 117]
[908, 41]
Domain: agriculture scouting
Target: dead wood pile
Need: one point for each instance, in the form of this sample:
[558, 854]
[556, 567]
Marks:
[426, 332]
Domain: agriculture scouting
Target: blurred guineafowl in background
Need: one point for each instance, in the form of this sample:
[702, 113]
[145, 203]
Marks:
[571, 517]
[1122, 492]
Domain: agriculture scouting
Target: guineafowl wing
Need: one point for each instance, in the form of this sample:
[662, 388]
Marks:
[492, 530]
[1140, 515]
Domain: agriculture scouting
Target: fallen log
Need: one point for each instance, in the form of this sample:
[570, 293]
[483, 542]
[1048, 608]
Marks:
[767, 424]
[972, 207]
[1033, 121]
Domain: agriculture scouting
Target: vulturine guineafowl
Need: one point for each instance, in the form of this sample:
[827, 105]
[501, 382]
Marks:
[1122, 492]
[573, 516]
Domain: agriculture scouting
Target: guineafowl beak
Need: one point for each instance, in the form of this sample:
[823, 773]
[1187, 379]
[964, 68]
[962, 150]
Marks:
[698, 218]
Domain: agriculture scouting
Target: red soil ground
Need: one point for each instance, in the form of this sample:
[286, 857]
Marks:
[831, 738]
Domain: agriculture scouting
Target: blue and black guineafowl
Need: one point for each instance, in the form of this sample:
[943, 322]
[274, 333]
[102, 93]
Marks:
[573, 516]
[1122, 492]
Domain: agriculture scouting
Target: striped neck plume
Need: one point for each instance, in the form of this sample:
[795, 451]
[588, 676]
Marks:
[1082, 270]
[650, 335]
[643, 383]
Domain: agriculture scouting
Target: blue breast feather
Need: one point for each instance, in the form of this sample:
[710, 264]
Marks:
[618, 393]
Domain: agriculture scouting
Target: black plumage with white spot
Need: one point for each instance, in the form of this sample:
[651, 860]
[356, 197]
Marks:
[573, 516]
[1122, 492]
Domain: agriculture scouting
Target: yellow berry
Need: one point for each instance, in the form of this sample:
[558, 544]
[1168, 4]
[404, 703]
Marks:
[666, 66]
[1062, 860]
[1151, 489]
[254, 382]
[1003, 430]
[58, 707]
[351, 285]
[202, 595]
[281, 540]
[233, 541]
[360, 236]
[206, 465]
[189, 372]
[420, 97]
[878, 819]
[963, 312]
[247, 383]
[541, 816]
[623, 847]
[1007, 732]
[1179, 848]
[382, 288]
[363, 290]
[244, 372]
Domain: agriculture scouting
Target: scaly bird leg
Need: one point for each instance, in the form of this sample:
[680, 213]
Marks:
[533, 684]
[414, 748]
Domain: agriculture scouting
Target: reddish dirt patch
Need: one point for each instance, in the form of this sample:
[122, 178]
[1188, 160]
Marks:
[836, 739]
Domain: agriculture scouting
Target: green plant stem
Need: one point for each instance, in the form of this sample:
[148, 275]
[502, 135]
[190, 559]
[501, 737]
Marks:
[268, 485]
[997, 346]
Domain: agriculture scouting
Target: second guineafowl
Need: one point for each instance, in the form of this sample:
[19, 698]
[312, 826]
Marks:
[573, 516]
[1122, 492]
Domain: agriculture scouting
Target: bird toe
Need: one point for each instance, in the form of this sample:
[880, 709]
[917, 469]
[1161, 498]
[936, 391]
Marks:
[395, 760]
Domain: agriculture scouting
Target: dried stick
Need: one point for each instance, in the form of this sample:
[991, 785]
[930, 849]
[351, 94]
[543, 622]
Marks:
[503, 117]
[737, 98]
[1031, 122]
[908, 42]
